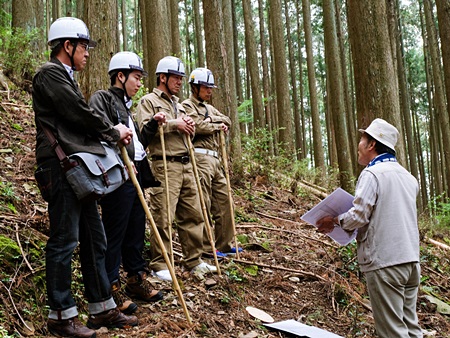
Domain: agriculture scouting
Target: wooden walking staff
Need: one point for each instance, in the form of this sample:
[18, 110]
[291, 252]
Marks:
[202, 202]
[127, 161]
[230, 196]
[166, 183]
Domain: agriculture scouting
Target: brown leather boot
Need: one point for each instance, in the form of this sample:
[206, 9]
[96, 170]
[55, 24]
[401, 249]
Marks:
[111, 319]
[69, 328]
[139, 287]
[124, 304]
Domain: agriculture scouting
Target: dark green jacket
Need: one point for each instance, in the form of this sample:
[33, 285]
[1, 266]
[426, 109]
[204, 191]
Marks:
[60, 106]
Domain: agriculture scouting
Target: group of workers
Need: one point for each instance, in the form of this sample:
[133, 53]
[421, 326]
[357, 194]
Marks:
[164, 130]
[383, 212]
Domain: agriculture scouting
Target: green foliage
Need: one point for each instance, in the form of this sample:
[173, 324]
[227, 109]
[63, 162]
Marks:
[8, 197]
[9, 250]
[347, 254]
[252, 270]
[18, 52]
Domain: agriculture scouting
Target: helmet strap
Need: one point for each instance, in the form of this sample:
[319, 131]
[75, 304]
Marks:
[126, 74]
[75, 44]
[165, 84]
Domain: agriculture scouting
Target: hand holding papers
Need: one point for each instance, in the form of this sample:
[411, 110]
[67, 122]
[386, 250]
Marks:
[338, 202]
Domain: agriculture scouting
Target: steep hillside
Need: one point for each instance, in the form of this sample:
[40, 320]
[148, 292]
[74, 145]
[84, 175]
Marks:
[287, 269]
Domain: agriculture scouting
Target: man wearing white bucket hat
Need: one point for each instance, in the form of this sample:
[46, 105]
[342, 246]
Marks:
[385, 215]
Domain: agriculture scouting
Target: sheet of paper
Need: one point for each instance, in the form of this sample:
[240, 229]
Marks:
[302, 330]
[338, 202]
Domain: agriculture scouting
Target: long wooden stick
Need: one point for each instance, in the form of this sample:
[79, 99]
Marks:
[127, 161]
[230, 195]
[166, 183]
[203, 205]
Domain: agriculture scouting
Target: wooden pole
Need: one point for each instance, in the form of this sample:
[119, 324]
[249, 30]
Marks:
[130, 167]
[166, 183]
[230, 195]
[203, 205]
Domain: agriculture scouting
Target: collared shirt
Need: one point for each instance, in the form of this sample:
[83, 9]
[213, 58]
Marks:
[69, 70]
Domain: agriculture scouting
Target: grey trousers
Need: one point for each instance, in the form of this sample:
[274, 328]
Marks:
[393, 296]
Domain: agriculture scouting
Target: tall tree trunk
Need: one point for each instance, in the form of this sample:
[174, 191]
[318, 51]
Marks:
[303, 150]
[157, 34]
[175, 28]
[292, 69]
[281, 77]
[443, 14]
[237, 74]
[102, 28]
[23, 15]
[253, 67]
[439, 95]
[124, 25]
[319, 159]
[266, 76]
[375, 77]
[349, 112]
[218, 59]
[198, 35]
[336, 95]
[404, 91]
[56, 9]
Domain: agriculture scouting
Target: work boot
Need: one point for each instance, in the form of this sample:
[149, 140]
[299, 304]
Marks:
[111, 319]
[138, 287]
[71, 327]
[124, 304]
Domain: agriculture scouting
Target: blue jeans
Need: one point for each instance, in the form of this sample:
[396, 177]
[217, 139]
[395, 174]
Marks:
[124, 220]
[72, 221]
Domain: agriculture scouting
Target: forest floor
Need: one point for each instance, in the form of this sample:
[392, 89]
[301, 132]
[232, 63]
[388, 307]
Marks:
[287, 269]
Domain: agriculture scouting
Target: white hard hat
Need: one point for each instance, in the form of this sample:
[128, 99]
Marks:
[126, 60]
[170, 65]
[69, 28]
[202, 76]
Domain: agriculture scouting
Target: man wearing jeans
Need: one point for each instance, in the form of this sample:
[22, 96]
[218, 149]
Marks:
[60, 108]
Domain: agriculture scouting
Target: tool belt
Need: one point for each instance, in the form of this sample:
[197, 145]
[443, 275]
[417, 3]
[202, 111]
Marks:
[184, 159]
[207, 152]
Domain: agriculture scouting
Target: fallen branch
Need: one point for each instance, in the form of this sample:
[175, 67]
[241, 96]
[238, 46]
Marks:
[438, 244]
[15, 307]
[280, 219]
[21, 249]
[277, 267]
[250, 225]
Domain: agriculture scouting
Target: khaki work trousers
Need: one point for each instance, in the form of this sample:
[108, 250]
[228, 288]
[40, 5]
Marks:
[215, 193]
[393, 296]
[184, 209]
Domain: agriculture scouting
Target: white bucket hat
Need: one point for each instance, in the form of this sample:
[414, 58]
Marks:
[383, 132]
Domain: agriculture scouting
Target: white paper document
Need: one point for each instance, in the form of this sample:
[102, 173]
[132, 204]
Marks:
[302, 330]
[338, 202]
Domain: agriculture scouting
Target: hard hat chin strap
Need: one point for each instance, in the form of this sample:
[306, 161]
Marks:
[72, 62]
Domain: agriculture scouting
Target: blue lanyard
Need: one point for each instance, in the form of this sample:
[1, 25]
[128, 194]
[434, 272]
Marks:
[386, 157]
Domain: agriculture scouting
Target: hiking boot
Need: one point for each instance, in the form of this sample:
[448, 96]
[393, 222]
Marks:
[71, 327]
[111, 319]
[139, 287]
[124, 304]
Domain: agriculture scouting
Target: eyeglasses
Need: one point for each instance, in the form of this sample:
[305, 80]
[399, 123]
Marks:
[82, 44]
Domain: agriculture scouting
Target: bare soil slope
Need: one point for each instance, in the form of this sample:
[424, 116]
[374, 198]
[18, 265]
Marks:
[287, 269]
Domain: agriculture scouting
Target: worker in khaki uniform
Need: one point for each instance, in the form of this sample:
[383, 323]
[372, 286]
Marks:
[184, 203]
[208, 124]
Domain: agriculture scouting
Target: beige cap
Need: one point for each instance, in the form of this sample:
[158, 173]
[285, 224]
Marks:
[383, 132]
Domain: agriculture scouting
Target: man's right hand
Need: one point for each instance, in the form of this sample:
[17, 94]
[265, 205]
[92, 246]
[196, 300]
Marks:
[185, 125]
[125, 133]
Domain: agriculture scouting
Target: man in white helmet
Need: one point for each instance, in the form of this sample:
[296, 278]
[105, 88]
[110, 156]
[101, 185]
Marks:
[184, 203]
[385, 214]
[208, 124]
[122, 213]
[61, 109]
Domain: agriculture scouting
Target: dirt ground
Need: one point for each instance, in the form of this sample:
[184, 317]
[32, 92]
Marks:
[287, 269]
